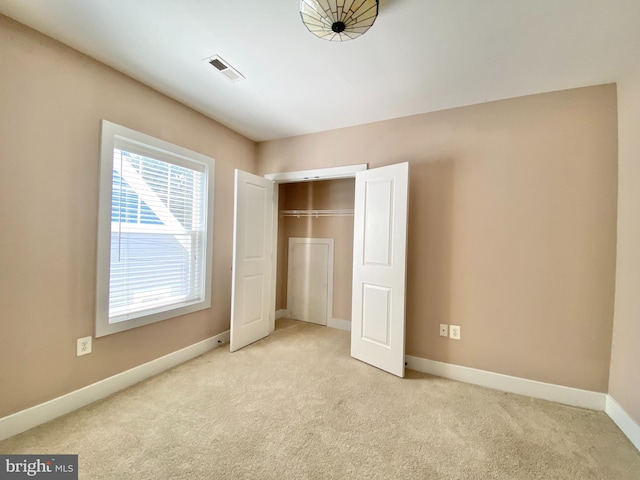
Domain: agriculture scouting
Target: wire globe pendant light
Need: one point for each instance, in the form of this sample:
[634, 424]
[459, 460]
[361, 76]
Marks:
[338, 20]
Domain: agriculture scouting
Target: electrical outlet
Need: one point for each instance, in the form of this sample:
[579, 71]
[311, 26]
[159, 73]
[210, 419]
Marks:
[83, 346]
[454, 332]
[444, 330]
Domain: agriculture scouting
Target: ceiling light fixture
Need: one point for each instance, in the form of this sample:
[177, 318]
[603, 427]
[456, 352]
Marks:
[338, 20]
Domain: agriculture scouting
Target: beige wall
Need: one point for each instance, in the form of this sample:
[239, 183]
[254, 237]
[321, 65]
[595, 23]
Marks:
[512, 228]
[52, 99]
[325, 195]
[624, 384]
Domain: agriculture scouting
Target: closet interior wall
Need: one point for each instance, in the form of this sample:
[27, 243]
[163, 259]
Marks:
[320, 195]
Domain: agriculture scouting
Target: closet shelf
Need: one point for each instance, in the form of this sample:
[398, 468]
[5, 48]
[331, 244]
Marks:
[317, 213]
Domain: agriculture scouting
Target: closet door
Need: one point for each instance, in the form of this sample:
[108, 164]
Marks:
[379, 267]
[251, 302]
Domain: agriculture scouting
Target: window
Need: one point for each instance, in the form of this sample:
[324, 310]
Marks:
[155, 230]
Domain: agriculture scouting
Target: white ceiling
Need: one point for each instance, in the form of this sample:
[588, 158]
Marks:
[419, 56]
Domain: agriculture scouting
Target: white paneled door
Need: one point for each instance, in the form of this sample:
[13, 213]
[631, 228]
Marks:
[379, 267]
[251, 302]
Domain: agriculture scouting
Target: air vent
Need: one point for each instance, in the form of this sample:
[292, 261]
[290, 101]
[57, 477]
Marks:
[218, 64]
[227, 70]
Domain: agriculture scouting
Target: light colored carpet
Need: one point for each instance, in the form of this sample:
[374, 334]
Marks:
[296, 406]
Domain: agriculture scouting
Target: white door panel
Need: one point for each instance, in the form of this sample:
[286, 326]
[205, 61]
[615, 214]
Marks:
[376, 314]
[251, 303]
[378, 222]
[379, 267]
[310, 279]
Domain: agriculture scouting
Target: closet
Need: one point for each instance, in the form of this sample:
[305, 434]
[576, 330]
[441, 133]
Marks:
[309, 215]
[379, 233]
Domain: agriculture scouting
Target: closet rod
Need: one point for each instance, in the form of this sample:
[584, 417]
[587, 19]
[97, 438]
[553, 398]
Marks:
[317, 213]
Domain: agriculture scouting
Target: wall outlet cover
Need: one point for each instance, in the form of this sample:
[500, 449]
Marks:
[83, 346]
[454, 332]
[444, 330]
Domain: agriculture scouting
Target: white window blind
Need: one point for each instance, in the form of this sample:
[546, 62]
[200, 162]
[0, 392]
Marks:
[157, 233]
[159, 238]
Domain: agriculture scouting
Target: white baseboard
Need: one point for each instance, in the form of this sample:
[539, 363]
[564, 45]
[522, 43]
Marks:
[546, 391]
[282, 313]
[621, 418]
[339, 324]
[31, 417]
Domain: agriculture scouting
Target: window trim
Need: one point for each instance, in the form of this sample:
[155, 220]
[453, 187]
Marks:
[114, 136]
